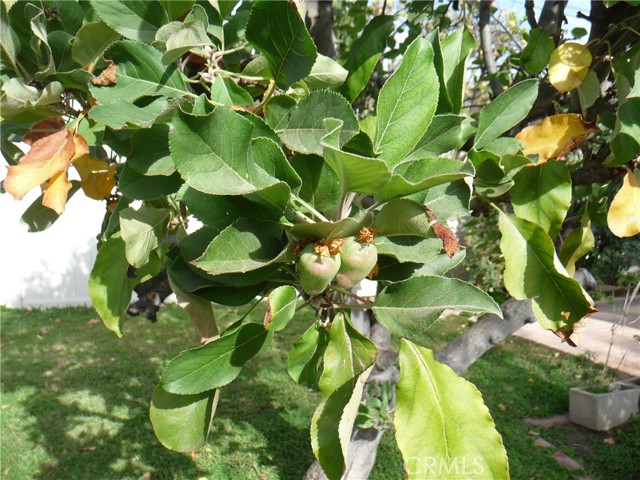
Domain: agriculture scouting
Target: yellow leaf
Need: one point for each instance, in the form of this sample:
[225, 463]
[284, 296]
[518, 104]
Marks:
[48, 157]
[55, 196]
[555, 136]
[97, 177]
[624, 213]
[568, 65]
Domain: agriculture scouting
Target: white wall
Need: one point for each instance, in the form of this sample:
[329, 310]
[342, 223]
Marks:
[49, 268]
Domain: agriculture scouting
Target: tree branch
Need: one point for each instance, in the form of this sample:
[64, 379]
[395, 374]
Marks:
[487, 47]
[320, 24]
[531, 14]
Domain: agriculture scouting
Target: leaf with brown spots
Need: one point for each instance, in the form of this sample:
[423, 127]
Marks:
[449, 240]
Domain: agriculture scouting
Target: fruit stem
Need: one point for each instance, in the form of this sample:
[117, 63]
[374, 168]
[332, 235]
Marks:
[344, 291]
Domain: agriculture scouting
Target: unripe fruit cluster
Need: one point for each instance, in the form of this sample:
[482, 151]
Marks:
[347, 261]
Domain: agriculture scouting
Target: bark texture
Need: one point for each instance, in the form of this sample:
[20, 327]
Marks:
[319, 20]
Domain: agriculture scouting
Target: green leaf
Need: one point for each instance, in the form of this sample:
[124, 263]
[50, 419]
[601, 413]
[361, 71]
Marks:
[361, 59]
[444, 133]
[278, 32]
[448, 201]
[409, 248]
[281, 307]
[146, 187]
[505, 111]
[278, 111]
[140, 73]
[176, 8]
[132, 19]
[326, 73]
[91, 41]
[9, 40]
[626, 144]
[244, 246]
[215, 364]
[408, 308]
[142, 231]
[225, 91]
[589, 91]
[305, 357]
[305, 126]
[536, 54]
[346, 227]
[118, 114]
[532, 270]
[348, 360]
[320, 186]
[355, 172]
[182, 422]
[150, 151]
[403, 217]
[406, 103]
[38, 218]
[180, 37]
[577, 244]
[199, 310]
[213, 155]
[110, 286]
[418, 175]
[455, 50]
[22, 103]
[434, 440]
[542, 195]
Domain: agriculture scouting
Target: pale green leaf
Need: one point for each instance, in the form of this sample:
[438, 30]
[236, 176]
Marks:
[403, 217]
[281, 307]
[326, 73]
[443, 428]
[118, 114]
[142, 231]
[444, 134]
[542, 195]
[406, 103]
[182, 422]
[505, 111]
[408, 308]
[278, 32]
[180, 37]
[244, 246]
[150, 151]
[305, 357]
[409, 248]
[455, 50]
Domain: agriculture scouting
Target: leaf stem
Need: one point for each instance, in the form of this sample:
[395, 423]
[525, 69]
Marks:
[310, 208]
[344, 291]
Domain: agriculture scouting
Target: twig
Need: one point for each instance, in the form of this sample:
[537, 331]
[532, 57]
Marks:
[487, 47]
[531, 14]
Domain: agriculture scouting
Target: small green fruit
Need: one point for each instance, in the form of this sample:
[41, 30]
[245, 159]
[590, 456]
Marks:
[316, 270]
[358, 259]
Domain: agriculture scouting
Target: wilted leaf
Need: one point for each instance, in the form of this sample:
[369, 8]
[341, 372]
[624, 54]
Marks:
[47, 157]
[449, 240]
[97, 177]
[43, 129]
[624, 213]
[555, 136]
[55, 196]
[568, 66]
[107, 77]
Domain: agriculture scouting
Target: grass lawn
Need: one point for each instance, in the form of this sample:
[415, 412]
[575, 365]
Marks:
[75, 405]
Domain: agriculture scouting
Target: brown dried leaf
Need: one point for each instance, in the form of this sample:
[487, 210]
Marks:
[48, 157]
[43, 129]
[449, 240]
[335, 245]
[55, 196]
[107, 76]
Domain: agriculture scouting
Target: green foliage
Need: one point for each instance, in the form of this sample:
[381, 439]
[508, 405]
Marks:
[266, 149]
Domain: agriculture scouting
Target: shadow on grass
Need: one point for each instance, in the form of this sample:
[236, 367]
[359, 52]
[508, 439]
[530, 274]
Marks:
[82, 401]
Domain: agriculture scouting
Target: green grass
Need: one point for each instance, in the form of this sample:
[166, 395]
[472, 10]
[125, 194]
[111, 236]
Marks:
[75, 401]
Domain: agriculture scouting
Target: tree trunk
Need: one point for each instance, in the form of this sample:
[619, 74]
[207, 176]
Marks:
[319, 20]
[460, 354]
